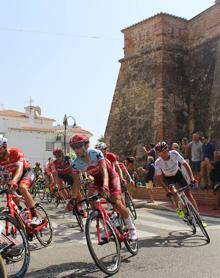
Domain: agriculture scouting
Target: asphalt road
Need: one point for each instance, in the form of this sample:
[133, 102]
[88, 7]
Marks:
[167, 249]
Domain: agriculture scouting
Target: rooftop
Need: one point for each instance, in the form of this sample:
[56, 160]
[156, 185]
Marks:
[17, 114]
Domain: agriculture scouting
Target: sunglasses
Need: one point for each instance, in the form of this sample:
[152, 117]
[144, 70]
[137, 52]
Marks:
[77, 146]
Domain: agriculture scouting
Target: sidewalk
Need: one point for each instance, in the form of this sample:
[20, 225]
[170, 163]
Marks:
[204, 210]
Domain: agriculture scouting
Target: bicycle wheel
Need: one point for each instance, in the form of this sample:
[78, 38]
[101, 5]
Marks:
[45, 235]
[190, 220]
[14, 247]
[41, 190]
[49, 197]
[104, 251]
[132, 246]
[130, 205]
[79, 218]
[3, 272]
[198, 221]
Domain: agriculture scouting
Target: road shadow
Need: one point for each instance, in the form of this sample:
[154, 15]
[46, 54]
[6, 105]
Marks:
[175, 239]
[73, 270]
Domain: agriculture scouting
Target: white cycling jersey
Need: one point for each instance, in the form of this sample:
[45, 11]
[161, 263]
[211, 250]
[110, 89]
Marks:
[169, 167]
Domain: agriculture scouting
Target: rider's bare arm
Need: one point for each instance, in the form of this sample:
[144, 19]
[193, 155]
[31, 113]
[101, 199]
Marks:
[161, 182]
[118, 170]
[18, 173]
[104, 171]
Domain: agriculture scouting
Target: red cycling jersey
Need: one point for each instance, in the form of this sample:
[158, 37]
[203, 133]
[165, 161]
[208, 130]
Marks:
[14, 159]
[63, 167]
[50, 168]
[111, 157]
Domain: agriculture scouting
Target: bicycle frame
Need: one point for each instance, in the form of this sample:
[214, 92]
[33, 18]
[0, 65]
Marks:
[14, 211]
[106, 216]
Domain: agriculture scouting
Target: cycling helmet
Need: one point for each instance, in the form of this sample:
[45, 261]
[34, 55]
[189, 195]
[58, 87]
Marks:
[78, 140]
[57, 152]
[161, 146]
[3, 141]
[100, 146]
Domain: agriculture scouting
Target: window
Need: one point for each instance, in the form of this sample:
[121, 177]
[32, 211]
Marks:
[49, 146]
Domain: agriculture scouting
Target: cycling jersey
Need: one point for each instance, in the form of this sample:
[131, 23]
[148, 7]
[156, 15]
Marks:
[111, 157]
[14, 159]
[170, 166]
[93, 168]
[63, 167]
[50, 168]
[11, 163]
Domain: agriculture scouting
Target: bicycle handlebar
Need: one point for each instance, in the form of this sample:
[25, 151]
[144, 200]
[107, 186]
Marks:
[12, 191]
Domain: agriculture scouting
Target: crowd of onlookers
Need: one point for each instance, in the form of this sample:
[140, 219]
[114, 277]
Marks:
[199, 152]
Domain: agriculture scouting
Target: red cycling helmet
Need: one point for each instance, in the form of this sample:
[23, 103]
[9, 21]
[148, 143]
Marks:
[161, 146]
[57, 152]
[78, 140]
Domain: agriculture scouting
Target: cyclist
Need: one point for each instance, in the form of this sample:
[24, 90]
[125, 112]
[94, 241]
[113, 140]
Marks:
[12, 159]
[63, 172]
[37, 170]
[113, 158]
[168, 173]
[106, 179]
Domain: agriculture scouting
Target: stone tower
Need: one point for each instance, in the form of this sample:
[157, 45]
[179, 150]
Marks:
[169, 82]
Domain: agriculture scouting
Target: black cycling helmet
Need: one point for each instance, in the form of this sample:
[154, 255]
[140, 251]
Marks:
[161, 146]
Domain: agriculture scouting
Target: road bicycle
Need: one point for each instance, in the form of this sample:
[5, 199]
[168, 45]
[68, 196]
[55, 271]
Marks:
[43, 232]
[192, 216]
[105, 232]
[39, 188]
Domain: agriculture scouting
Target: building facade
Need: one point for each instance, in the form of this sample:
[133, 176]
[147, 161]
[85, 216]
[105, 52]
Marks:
[169, 82]
[34, 134]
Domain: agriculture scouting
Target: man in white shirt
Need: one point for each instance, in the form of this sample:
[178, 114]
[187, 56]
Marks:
[168, 172]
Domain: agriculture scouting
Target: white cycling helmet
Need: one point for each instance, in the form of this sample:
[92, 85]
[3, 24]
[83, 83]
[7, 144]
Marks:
[3, 141]
[100, 146]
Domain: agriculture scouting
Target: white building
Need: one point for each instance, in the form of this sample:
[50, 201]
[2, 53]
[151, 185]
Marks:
[34, 134]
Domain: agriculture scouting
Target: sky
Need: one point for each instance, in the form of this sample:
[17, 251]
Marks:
[64, 53]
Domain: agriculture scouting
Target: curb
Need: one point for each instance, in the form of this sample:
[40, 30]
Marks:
[143, 204]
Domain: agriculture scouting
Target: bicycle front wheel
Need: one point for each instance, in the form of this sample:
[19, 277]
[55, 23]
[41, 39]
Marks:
[14, 247]
[45, 234]
[130, 205]
[103, 243]
[198, 221]
[3, 272]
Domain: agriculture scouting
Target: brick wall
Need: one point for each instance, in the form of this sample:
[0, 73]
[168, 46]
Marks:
[202, 197]
[168, 85]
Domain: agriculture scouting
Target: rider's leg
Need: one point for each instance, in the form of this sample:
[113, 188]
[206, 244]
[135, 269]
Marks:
[192, 200]
[123, 211]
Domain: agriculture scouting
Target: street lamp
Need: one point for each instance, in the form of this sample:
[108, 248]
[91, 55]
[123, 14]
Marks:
[65, 123]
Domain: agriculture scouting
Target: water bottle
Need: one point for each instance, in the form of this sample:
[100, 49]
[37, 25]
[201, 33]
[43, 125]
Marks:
[24, 215]
[115, 219]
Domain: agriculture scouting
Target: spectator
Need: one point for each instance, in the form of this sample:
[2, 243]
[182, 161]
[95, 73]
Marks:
[195, 147]
[176, 147]
[208, 150]
[130, 165]
[148, 170]
[150, 151]
[184, 149]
